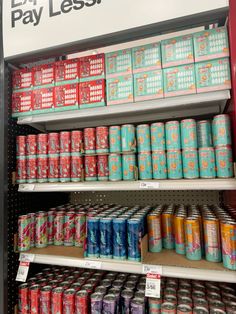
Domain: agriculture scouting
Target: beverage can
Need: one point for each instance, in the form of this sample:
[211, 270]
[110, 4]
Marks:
[90, 140]
[76, 167]
[24, 228]
[158, 136]
[221, 130]
[21, 169]
[109, 304]
[45, 299]
[167, 220]
[96, 302]
[128, 167]
[159, 166]
[179, 233]
[76, 141]
[103, 168]
[174, 164]
[81, 302]
[228, 240]
[42, 174]
[53, 168]
[188, 134]
[69, 228]
[23, 298]
[172, 131]
[154, 232]
[31, 169]
[102, 142]
[115, 167]
[93, 237]
[105, 226]
[34, 299]
[224, 162]
[137, 306]
[80, 228]
[143, 138]
[53, 143]
[212, 239]
[90, 168]
[204, 133]
[115, 139]
[207, 162]
[41, 230]
[57, 297]
[68, 301]
[134, 239]
[65, 142]
[119, 238]
[193, 239]
[21, 145]
[145, 166]
[32, 229]
[190, 163]
[31, 144]
[64, 168]
[128, 140]
[59, 228]
[42, 144]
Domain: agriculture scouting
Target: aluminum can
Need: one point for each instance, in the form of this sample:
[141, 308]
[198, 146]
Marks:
[41, 231]
[184, 309]
[76, 142]
[212, 239]
[115, 167]
[21, 169]
[23, 298]
[193, 239]
[21, 145]
[207, 163]
[143, 138]
[102, 143]
[57, 297]
[76, 167]
[190, 163]
[101, 289]
[145, 166]
[159, 166]
[231, 307]
[158, 141]
[128, 141]
[89, 288]
[224, 162]
[81, 302]
[45, 300]
[221, 130]
[200, 310]
[168, 308]
[173, 139]
[53, 143]
[34, 294]
[90, 140]
[76, 286]
[59, 228]
[109, 304]
[103, 168]
[204, 133]
[174, 164]
[179, 234]
[42, 144]
[185, 300]
[42, 162]
[154, 305]
[32, 229]
[90, 168]
[115, 139]
[188, 134]
[93, 237]
[69, 228]
[80, 228]
[154, 232]
[69, 301]
[31, 144]
[105, 226]
[137, 306]
[65, 168]
[119, 238]
[134, 239]
[167, 221]
[65, 142]
[96, 302]
[53, 168]
[126, 297]
[228, 240]
[128, 167]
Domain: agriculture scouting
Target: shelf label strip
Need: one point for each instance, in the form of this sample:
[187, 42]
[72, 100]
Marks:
[149, 185]
[152, 269]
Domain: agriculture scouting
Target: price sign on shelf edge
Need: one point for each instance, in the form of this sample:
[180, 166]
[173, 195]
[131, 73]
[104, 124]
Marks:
[149, 185]
[152, 269]
[22, 272]
[153, 285]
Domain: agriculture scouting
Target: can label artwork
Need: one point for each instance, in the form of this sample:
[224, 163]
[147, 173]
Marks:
[21, 145]
[221, 130]
[190, 163]
[59, 228]
[41, 232]
[207, 162]
[76, 141]
[128, 138]
[179, 233]
[168, 237]
[228, 239]
[93, 236]
[128, 166]
[102, 145]
[119, 238]
[115, 167]
[103, 169]
[212, 239]
[57, 306]
[158, 136]
[53, 168]
[34, 300]
[193, 239]
[134, 239]
[65, 142]
[188, 133]
[204, 133]
[174, 164]
[21, 169]
[172, 135]
[143, 138]
[159, 167]
[115, 139]
[32, 229]
[80, 229]
[105, 227]
[51, 217]
[90, 168]
[154, 233]
[42, 175]
[90, 140]
[53, 143]
[23, 301]
[65, 168]
[31, 144]
[42, 144]
[31, 165]
[145, 166]
[24, 225]
[76, 167]
[69, 228]
[224, 162]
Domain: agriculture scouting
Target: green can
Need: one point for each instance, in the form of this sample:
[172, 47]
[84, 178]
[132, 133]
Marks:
[172, 130]
[221, 130]
[128, 167]
[158, 136]
[128, 138]
[188, 134]
[207, 163]
[204, 133]
[143, 138]
[174, 164]
[224, 162]
[41, 232]
[115, 139]
[159, 167]
[190, 163]
[145, 166]
[115, 167]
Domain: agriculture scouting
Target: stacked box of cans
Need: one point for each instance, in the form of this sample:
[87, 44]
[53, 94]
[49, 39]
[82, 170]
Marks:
[195, 231]
[63, 290]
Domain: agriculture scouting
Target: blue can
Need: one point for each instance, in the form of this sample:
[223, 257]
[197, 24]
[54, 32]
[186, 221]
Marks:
[115, 167]
[143, 138]
[105, 237]
[93, 236]
[145, 166]
[159, 167]
[188, 133]
[128, 166]
[224, 162]
[204, 133]
[174, 164]
[134, 239]
[172, 135]
[128, 138]
[142, 219]
[190, 163]
[115, 139]
[221, 130]
[207, 162]
[119, 238]
[158, 136]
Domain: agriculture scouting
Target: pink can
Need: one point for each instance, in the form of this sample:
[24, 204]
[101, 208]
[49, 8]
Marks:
[65, 142]
[42, 144]
[31, 169]
[59, 228]
[69, 228]
[89, 140]
[53, 143]
[103, 169]
[53, 168]
[76, 141]
[76, 168]
[21, 145]
[102, 145]
[65, 168]
[21, 169]
[90, 168]
[80, 229]
[42, 175]
[31, 144]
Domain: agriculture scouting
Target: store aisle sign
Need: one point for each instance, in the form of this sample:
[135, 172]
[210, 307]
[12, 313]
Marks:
[33, 25]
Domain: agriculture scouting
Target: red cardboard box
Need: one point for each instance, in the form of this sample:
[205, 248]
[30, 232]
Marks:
[92, 67]
[21, 103]
[44, 75]
[67, 72]
[92, 94]
[43, 100]
[22, 80]
[67, 97]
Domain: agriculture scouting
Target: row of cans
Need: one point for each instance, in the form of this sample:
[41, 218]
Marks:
[195, 231]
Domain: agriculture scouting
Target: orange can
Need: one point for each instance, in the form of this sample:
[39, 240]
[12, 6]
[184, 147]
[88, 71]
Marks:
[154, 232]
[193, 238]
[228, 240]
[212, 239]
[179, 233]
[168, 230]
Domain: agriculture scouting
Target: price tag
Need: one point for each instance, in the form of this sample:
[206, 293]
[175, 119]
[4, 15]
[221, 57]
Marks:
[149, 185]
[24, 257]
[93, 264]
[152, 269]
[27, 119]
[153, 286]
[26, 187]
[22, 271]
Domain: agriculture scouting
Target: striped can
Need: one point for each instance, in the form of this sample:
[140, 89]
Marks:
[154, 232]
[193, 239]
[172, 131]
[114, 139]
[158, 141]
[159, 167]
[207, 162]
[224, 162]
[143, 138]
[221, 130]
[174, 164]
[211, 229]
[228, 240]
[204, 133]
[188, 134]
[145, 166]
[128, 138]
[115, 167]
[128, 167]
[190, 163]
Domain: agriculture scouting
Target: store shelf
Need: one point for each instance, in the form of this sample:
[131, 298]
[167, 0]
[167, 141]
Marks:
[168, 262]
[197, 184]
[152, 110]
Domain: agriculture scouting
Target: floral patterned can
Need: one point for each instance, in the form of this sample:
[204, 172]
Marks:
[24, 225]
[115, 139]
[221, 130]
[159, 167]
[193, 239]
[128, 141]
[41, 229]
[102, 143]
[115, 167]
[172, 130]
[90, 140]
[90, 168]
[59, 228]
[145, 166]
[65, 168]
[143, 138]
[76, 141]
[207, 162]
[174, 164]
[190, 163]
[158, 141]
[224, 162]
[128, 166]
[76, 167]
[188, 133]
[103, 169]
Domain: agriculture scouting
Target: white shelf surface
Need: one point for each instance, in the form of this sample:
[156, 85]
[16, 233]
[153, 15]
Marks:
[196, 184]
[151, 110]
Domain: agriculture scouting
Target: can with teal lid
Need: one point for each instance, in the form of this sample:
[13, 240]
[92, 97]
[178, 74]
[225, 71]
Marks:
[224, 161]
[115, 139]
[159, 167]
[115, 167]
[158, 136]
[174, 164]
[143, 138]
[207, 163]
[128, 139]
[145, 166]
[221, 130]
[204, 133]
[172, 135]
[188, 133]
[190, 163]
[128, 166]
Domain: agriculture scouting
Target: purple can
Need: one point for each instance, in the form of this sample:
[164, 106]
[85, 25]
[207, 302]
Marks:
[137, 306]
[109, 304]
[126, 296]
[96, 302]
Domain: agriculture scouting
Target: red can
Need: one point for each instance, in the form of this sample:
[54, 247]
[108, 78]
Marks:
[65, 168]
[103, 169]
[31, 144]
[51, 217]
[90, 168]
[76, 141]
[64, 284]
[76, 168]
[53, 168]
[81, 302]
[42, 144]
[88, 287]
[65, 142]
[57, 296]
[23, 301]
[42, 174]
[69, 301]
[54, 283]
[76, 286]
[31, 169]
[69, 228]
[53, 143]
[45, 300]
[89, 140]
[42, 282]
[102, 145]
[34, 293]
[59, 228]
[21, 145]
[21, 169]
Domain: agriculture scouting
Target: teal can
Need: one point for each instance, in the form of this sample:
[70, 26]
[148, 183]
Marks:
[158, 141]
[143, 138]
[221, 130]
[174, 164]
[159, 167]
[172, 130]
[128, 140]
[207, 163]
[188, 133]
[115, 167]
[204, 133]
[145, 166]
[190, 163]
[128, 167]
[224, 162]
[115, 139]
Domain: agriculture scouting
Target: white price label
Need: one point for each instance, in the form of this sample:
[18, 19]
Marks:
[93, 264]
[26, 187]
[149, 185]
[26, 119]
[22, 271]
[24, 257]
[152, 269]
[153, 286]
